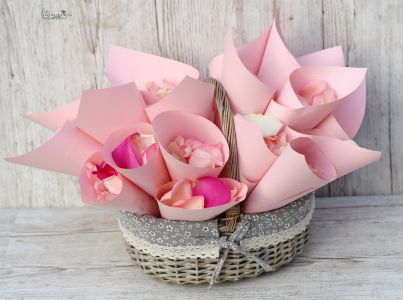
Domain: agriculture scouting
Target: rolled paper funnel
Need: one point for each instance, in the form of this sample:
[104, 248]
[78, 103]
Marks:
[290, 177]
[255, 158]
[326, 57]
[346, 82]
[345, 156]
[246, 92]
[126, 65]
[191, 95]
[185, 214]
[329, 126]
[168, 125]
[277, 62]
[250, 54]
[65, 152]
[54, 119]
[149, 176]
[131, 197]
[103, 111]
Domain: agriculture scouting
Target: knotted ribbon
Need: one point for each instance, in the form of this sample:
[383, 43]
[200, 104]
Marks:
[232, 243]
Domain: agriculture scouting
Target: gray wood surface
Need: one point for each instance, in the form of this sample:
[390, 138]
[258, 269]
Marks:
[355, 252]
[46, 63]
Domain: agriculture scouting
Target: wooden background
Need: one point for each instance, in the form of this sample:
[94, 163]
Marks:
[46, 63]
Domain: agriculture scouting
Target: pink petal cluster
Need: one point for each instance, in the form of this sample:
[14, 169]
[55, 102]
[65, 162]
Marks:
[315, 92]
[160, 91]
[194, 152]
[105, 179]
[277, 142]
[134, 151]
[205, 192]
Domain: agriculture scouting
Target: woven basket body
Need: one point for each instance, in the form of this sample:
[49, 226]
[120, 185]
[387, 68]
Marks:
[275, 237]
[214, 251]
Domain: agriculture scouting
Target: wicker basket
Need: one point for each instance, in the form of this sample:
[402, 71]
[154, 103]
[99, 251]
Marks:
[228, 248]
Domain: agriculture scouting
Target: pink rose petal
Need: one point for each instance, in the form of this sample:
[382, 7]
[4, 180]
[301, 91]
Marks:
[316, 92]
[215, 191]
[103, 170]
[182, 190]
[114, 184]
[196, 202]
[149, 152]
[207, 156]
[126, 155]
[312, 88]
[238, 190]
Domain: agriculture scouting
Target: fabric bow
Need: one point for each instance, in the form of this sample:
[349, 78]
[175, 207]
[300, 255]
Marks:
[232, 243]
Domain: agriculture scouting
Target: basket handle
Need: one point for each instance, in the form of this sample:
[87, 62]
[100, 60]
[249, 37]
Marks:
[229, 219]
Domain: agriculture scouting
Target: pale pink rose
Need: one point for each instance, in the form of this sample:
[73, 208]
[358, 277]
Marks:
[272, 130]
[105, 179]
[134, 151]
[315, 92]
[194, 152]
[160, 90]
[277, 142]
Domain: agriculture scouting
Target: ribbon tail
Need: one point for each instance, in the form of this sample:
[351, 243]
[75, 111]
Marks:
[256, 259]
[260, 262]
[218, 268]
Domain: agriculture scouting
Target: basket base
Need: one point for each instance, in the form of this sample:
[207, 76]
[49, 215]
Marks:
[236, 267]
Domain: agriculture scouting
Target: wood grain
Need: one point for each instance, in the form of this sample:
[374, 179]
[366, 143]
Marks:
[355, 253]
[46, 63]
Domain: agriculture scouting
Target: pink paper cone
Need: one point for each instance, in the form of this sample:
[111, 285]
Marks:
[54, 119]
[246, 92]
[255, 158]
[168, 125]
[250, 55]
[345, 156]
[277, 62]
[350, 113]
[326, 57]
[290, 177]
[329, 127]
[190, 95]
[65, 152]
[184, 214]
[126, 65]
[215, 66]
[345, 81]
[341, 79]
[150, 176]
[103, 111]
[131, 198]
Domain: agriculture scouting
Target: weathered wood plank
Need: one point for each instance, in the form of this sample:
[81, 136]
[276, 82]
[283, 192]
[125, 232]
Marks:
[355, 253]
[370, 36]
[44, 64]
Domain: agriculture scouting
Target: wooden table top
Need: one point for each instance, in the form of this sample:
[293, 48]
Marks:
[355, 252]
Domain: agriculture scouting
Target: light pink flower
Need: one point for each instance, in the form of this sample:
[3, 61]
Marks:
[194, 152]
[272, 130]
[160, 91]
[277, 142]
[205, 192]
[105, 179]
[315, 92]
[134, 151]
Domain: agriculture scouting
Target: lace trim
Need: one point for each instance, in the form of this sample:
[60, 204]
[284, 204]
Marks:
[278, 237]
[213, 250]
[181, 252]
